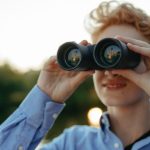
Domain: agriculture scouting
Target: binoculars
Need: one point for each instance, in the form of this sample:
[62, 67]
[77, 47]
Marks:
[108, 53]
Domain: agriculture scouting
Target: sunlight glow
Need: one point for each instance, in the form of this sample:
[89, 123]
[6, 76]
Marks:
[94, 115]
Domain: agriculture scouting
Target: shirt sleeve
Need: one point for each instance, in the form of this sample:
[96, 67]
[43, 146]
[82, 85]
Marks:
[26, 127]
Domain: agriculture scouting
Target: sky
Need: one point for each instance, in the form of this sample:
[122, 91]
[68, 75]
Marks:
[32, 30]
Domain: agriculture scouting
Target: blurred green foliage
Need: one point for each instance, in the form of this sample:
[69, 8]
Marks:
[14, 86]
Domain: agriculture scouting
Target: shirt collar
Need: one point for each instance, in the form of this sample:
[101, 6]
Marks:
[104, 121]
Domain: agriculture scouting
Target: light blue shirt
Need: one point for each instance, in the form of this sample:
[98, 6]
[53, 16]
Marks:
[26, 127]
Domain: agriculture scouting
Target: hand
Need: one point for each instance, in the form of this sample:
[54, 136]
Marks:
[140, 75]
[59, 84]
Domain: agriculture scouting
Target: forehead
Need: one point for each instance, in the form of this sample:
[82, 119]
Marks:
[124, 30]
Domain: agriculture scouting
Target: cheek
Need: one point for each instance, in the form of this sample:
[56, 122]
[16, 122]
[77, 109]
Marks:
[97, 79]
[134, 93]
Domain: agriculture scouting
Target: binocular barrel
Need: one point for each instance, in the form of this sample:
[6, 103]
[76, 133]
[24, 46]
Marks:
[109, 53]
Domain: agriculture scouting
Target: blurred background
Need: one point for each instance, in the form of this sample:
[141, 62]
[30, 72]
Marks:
[30, 32]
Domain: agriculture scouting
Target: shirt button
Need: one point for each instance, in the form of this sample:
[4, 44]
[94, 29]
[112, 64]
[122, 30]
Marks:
[20, 147]
[55, 115]
[116, 145]
[103, 120]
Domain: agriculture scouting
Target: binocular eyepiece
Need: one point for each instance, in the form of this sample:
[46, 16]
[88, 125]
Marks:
[109, 53]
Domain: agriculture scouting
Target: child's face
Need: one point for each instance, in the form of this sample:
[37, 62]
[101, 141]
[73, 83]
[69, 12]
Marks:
[114, 90]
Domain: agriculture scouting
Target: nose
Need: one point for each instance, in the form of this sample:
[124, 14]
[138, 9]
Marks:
[109, 74]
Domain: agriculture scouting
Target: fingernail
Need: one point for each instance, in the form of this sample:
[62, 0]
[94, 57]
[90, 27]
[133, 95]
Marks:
[117, 36]
[129, 44]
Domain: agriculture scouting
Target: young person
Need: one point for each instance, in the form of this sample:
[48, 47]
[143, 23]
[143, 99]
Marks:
[126, 124]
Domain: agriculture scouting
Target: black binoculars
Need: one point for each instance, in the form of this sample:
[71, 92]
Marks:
[108, 53]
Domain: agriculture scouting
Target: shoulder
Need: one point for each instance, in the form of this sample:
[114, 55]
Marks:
[75, 137]
[81, 130]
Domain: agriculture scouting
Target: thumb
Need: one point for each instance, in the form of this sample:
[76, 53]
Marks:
[129, 74]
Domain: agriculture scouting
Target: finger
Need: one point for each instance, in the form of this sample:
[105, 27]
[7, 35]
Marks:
[52, 59]
[84, 42]
[133, 41]
[147, 62]
[83, 75]
[138, 49]
[51, 63]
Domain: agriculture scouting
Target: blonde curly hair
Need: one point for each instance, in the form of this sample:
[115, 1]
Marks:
[114, 13]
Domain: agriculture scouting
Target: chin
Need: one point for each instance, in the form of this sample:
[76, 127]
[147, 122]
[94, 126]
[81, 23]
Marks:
[117, 101]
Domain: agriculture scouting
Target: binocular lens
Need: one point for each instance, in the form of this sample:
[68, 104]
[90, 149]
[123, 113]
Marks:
[73, 57]
[111, 55]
